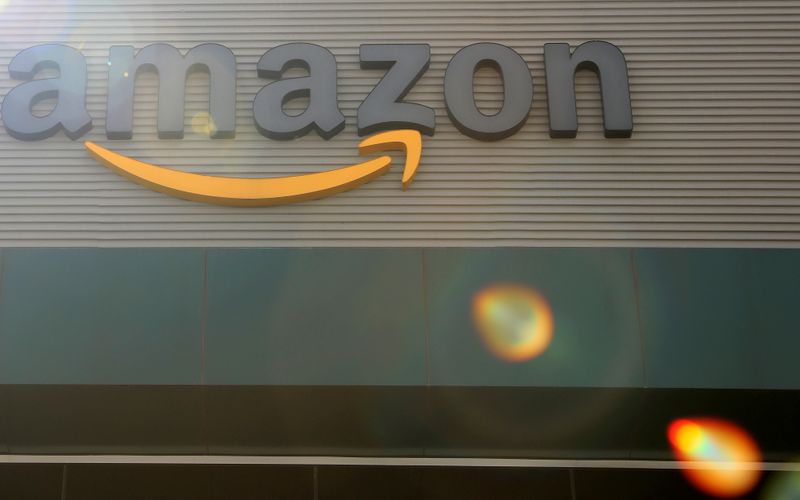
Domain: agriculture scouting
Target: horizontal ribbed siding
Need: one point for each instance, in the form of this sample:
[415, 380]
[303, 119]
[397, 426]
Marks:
[714, 159]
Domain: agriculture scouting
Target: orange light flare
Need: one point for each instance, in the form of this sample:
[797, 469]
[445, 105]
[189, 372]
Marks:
[717, 456]
[515, 322]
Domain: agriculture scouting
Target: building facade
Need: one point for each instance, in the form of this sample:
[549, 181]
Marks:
[153, 346]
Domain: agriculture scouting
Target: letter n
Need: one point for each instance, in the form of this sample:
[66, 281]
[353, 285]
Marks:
[604, 59]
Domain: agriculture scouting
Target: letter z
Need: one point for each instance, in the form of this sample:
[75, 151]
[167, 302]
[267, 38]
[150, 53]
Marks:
[383, 108]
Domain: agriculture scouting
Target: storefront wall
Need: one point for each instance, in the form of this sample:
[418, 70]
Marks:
[137, 324]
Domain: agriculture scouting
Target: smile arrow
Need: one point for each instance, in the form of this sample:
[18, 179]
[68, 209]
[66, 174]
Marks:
[239, 191]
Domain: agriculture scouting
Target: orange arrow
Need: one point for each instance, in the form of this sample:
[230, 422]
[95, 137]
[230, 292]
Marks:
[239, 191]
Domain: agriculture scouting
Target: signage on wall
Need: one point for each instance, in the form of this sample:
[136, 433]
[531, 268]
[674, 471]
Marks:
[393, 122]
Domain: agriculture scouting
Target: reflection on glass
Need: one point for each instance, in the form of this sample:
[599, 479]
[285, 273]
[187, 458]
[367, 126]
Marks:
[514, 321]
[783, 486]
[717, 456]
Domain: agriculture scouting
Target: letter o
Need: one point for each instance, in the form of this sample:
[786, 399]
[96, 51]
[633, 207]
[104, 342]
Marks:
[460, 99]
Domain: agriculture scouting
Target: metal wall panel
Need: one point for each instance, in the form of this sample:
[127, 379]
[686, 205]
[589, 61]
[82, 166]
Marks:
[714, 159]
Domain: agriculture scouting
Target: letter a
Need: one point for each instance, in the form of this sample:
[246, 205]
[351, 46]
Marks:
[319, 86]
[69, 88]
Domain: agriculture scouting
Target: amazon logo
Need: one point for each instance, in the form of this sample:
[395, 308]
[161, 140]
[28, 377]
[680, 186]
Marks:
[389, 121]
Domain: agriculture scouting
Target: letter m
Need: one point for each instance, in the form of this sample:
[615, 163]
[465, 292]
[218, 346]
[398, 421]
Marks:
[172, 70]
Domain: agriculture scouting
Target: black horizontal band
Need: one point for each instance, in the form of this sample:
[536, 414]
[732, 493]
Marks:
[510, 422]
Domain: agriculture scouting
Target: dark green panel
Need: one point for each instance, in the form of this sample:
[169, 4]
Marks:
[543, 422]
[590, 292]
[4, 409]
[322, 420]
[322, 316]
[769, 416]
[774, 281]
[5, 432]
[717, 318]
[126, 419]
[698, 318]
[499, 422]
[91, 316]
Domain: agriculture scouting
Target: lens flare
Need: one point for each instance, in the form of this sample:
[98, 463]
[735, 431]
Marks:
[717, 457]
[202, 123]
[515, 322]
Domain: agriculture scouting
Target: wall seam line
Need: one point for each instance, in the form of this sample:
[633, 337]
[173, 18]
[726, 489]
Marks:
[426, 322]
[637, 305]
[204, 318]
